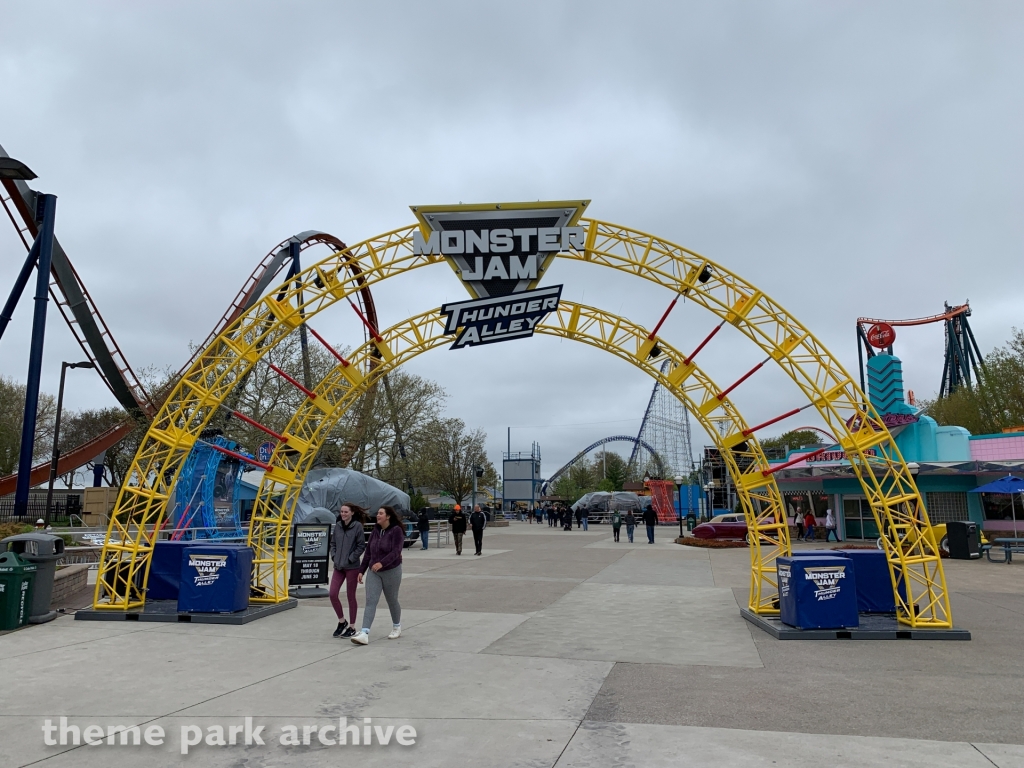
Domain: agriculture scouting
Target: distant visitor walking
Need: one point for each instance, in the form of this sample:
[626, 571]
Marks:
[423, 524]
[809, 522]
[650, 520]
[585, 515]
[630, 525]
[347, 545]
[616, 524]
[458, 528]
[382, 569]
[477, 522]
[830, 525]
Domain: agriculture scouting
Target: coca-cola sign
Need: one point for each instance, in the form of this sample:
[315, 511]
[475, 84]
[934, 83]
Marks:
[881, 335]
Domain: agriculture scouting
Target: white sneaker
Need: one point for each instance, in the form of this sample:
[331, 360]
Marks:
[361, 638]
[395, 633]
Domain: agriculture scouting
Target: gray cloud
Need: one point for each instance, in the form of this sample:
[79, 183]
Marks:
[848, 158]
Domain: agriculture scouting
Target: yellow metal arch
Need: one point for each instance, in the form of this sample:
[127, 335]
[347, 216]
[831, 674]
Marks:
[912, 554]
[335, 394]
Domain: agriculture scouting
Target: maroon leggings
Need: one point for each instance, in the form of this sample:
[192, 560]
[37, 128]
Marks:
[351, 576]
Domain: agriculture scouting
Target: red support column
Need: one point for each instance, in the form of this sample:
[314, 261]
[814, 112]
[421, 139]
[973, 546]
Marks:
[664, 317]
[722, 395]
[805, 457]
[710, 336]
[345, 363]
[373, 331]
[259, 426]
[311, 395]
[240, 457]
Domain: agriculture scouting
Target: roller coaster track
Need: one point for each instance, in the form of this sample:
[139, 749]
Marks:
[962, 309]
[97, 342]
[550, 482]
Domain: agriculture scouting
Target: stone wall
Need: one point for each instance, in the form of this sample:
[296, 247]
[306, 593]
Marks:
[67, 582]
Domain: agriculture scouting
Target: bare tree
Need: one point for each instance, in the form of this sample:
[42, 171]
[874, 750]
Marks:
[450, 454]
[12, 414]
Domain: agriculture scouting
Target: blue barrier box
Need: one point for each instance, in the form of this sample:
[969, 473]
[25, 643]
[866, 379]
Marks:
[215, 578]
[874, 585]
[165, 570]
[817, 592]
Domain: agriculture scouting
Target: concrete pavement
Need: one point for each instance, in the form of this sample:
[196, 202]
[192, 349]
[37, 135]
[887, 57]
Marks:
[556, 649]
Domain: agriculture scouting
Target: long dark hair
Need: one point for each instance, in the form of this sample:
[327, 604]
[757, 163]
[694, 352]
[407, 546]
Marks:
[392, 516]
[358, 513]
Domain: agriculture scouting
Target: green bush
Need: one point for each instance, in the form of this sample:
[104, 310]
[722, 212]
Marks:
[12, 529]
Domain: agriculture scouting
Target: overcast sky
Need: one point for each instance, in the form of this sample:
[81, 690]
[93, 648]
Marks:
[848, 158]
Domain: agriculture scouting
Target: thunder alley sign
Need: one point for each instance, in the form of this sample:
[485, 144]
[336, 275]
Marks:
[499, 251]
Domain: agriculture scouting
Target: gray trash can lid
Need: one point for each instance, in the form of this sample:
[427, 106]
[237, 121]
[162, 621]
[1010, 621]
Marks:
[35, 546]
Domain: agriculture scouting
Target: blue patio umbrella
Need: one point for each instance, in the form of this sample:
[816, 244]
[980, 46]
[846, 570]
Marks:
[1009, 485]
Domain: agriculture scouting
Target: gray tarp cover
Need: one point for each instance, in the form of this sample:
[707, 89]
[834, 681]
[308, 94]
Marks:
[605, 501]
[327, 489]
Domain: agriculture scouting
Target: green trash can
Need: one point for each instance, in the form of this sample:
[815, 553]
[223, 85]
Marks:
[691, 522]
[16, 581]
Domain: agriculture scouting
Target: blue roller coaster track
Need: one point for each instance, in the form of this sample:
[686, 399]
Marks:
[550, 482]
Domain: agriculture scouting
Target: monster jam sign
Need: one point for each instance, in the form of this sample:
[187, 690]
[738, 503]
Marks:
[499, 251]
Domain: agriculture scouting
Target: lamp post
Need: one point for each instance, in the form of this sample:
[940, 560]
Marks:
[679, 502]
[56, 432]
[478, 472]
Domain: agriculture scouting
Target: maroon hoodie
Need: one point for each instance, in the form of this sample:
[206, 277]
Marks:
[384, 547]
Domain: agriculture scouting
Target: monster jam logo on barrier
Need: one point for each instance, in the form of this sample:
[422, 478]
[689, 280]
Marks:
[826, 579]
[499, 253]
[207, 568]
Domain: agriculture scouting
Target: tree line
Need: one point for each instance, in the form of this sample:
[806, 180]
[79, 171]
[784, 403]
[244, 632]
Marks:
[996, 402]
[397, 432]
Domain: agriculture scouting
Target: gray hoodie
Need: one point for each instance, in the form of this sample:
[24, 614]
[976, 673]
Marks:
[347, 545]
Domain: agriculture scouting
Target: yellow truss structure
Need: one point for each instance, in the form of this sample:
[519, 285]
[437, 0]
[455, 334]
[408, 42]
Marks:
[337, 392]
[913, 556]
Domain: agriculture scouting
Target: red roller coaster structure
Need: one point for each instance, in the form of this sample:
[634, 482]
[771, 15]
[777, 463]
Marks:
[97, 341]
[963, 361]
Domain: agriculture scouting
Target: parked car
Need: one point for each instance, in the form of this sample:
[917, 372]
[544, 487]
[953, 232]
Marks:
[938, 532]
[731, 526]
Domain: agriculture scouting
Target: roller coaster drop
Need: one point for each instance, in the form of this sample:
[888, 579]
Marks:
[98, 343]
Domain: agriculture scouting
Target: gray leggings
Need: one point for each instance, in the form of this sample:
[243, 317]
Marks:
[387, 581]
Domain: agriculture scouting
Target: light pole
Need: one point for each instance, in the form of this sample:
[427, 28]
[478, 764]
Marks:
[56, 432]
[679, 502]
[478, 472]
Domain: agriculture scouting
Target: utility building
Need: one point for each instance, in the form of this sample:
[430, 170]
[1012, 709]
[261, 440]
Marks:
[522, 478]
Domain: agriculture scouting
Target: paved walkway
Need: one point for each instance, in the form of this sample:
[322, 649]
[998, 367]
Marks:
[555, 649]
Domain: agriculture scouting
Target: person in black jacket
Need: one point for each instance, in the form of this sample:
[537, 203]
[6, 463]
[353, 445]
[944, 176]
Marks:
[347, 545]
[650, 520]
[458, 528]
[423, 524]
[477, 521]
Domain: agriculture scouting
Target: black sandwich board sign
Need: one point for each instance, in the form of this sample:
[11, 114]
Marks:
[311, 555]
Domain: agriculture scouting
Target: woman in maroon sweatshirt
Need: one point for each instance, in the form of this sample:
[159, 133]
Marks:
[382, 568]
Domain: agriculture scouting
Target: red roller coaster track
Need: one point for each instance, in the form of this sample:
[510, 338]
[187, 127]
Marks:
[98, 343]
[948, 315]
